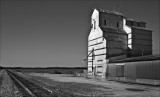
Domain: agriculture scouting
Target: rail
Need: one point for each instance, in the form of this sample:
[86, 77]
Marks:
[29, 88]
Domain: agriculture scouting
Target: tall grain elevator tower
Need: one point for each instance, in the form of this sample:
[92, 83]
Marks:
[113, 36]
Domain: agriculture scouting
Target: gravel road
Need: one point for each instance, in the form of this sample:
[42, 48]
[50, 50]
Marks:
[80, 86]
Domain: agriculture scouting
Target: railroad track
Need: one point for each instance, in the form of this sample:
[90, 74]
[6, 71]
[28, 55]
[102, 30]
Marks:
[29, 88]
[1, 75]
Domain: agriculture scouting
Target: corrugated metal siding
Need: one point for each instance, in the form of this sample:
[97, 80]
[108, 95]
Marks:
[148, 70]
[130, 71]
[158, 69]
[120, 70]
[112, 71]
[136, 70]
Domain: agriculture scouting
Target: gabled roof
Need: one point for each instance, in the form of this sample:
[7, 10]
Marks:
[111, 12]
[113, 30]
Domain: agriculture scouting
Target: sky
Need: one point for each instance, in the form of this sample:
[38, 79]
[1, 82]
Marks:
[53, 33]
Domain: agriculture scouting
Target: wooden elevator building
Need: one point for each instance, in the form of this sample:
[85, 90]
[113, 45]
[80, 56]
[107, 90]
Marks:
[114, 37]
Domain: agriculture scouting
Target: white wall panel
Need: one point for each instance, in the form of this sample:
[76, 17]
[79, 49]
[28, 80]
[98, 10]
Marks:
[97, 52]
[93, 43]
[99, 69]
[97, 46]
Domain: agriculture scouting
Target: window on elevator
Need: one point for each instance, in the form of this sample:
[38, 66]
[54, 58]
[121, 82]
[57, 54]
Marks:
[117, 24]
[94, 24]
[105, 22]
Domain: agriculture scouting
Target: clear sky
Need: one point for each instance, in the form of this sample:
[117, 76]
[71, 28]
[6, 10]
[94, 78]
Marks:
[49, 33]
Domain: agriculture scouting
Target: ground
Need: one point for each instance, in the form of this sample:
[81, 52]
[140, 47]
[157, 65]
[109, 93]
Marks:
[91, 87]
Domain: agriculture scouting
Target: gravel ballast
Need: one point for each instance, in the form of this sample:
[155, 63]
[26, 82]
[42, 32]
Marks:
[7, 88]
